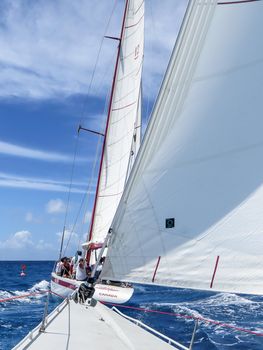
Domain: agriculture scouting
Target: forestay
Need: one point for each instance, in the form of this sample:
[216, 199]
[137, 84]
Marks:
[200, 162]
[123, 121]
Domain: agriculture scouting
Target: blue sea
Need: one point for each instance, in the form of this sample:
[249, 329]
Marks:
[19, 316]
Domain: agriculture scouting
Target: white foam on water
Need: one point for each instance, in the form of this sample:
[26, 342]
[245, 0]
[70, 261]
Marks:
[224, 299]
[42, 286]
[6, 325]
[4, 294]
[220, 299]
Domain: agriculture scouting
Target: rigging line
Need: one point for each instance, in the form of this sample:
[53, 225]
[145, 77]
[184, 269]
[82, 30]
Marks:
[97, 59]
[88, 187]
[104, 73]
[71, 179]
[202, 319]
[96, 160]
[76, 220]
[83, 111]
[107, 125]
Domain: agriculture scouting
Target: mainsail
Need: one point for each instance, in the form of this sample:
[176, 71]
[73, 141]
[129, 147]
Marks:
[192, 213]
[122, 122]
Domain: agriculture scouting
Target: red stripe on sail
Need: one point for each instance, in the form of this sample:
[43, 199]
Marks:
[214, 273]
[156, 268]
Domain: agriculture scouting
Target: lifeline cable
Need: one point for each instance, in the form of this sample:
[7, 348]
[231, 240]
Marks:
[14, 297]
[202, 319]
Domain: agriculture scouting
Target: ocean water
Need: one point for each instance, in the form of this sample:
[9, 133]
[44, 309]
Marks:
[19, 316]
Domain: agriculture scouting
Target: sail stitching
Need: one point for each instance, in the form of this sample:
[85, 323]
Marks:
[123, 107]
[139, 7]
[135, 24]
[126, 95]
[135, 72]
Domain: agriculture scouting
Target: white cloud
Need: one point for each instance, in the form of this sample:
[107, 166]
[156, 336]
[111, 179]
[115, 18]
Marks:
[21, 246]
[24, 152]
[49, 48]
[55, 206]
[9, 180]
[18, 240]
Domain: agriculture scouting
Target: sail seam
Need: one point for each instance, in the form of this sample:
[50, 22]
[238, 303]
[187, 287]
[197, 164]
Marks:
[123, 107]
[123, 117]
[135, 24]
[139, 7]
[126, 95]
[132, 33]
[111, 195]
[135, 72]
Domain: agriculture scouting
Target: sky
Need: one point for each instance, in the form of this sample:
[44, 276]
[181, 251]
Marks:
[51, 80]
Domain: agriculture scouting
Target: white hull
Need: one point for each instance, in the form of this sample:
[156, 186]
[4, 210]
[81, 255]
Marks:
[103, 292]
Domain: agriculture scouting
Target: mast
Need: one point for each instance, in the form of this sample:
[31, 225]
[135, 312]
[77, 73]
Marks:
[106, 128]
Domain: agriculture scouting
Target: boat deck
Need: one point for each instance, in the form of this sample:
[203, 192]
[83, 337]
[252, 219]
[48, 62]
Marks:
[75, 326]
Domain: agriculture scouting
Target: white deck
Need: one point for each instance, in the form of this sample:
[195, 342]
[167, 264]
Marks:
[79, 327]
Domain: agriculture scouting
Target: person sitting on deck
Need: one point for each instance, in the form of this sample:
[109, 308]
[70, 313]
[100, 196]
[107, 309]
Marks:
[58, 267]
[65, 268]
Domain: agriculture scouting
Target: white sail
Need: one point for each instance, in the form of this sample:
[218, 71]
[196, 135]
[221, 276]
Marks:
[200, 162]
[121, 121]
[136, 139]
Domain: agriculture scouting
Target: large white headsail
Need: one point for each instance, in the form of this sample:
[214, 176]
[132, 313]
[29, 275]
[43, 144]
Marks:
[122, 120]
[201, 162]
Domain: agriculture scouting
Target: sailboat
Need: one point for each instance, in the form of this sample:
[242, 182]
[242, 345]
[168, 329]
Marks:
[190, 215]
[121, 141]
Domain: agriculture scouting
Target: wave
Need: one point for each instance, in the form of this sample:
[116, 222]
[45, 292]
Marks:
[40, 287]
[224, 307]
[224, 299]
[220, 299]
[141, 288]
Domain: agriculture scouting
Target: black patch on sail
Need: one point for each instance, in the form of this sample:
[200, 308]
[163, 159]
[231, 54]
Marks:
[169, 223]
